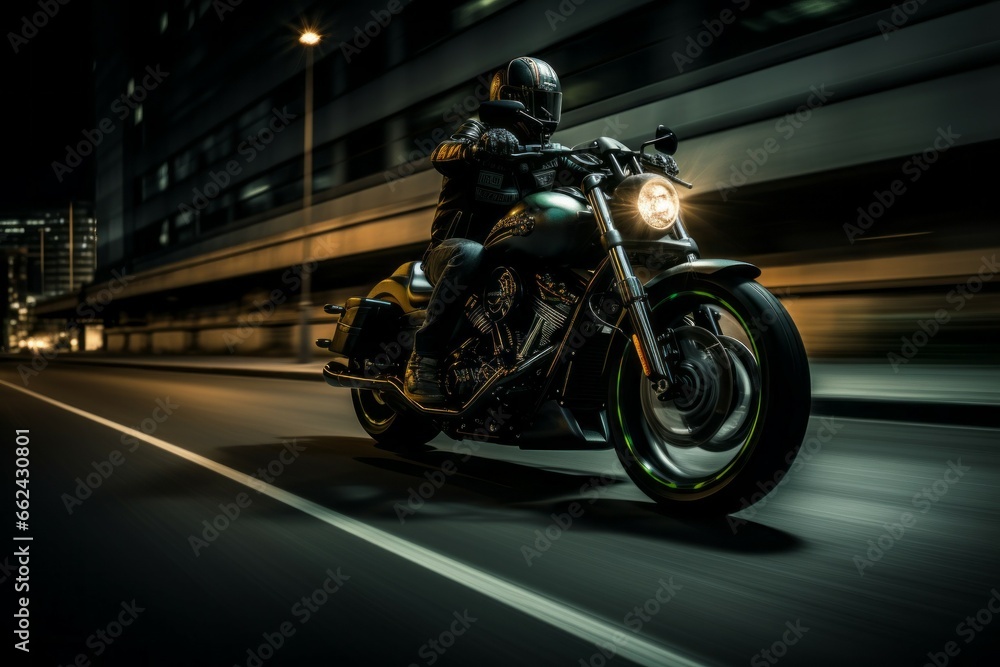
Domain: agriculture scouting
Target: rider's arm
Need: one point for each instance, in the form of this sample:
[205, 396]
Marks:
[452, 157]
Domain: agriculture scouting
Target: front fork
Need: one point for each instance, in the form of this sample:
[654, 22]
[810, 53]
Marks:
[633, 294]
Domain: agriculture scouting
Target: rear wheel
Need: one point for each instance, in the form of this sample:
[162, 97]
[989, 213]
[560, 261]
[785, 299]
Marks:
[387, 426]
[735, 425]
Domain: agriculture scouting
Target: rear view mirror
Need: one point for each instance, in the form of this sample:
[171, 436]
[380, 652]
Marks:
[666, 140]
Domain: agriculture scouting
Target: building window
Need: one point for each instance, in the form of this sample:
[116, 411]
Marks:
[163, 177]
[164, 22]
[184, 165]
[138, 114]
[184, 230]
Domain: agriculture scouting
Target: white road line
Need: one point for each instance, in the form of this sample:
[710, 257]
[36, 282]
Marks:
[566, 618]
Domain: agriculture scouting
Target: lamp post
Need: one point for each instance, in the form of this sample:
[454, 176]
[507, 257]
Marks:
[41, 253]
[310, 39]
[71, 247]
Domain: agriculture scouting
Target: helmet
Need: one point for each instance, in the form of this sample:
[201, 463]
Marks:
[535, 84]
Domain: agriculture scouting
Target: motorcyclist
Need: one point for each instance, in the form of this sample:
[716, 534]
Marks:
[481, 183]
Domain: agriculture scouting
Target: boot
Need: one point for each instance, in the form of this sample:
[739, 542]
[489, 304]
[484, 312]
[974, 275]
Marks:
[423, 380]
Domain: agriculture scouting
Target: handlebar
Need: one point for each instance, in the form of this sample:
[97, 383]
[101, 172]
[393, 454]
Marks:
[663, 163]
[535, 150]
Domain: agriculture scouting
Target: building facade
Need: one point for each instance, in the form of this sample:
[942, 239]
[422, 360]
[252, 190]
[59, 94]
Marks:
[238, 187]
[47, 254]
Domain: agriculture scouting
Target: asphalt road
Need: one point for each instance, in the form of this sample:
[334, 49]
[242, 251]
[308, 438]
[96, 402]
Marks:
[353, 555]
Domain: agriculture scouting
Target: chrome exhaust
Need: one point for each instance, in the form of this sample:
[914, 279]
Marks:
[338, 375]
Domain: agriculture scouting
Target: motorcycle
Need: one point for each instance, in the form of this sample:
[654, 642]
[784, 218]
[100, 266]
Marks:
[597, 325]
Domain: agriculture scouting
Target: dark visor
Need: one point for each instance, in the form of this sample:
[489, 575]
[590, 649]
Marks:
[539, 104]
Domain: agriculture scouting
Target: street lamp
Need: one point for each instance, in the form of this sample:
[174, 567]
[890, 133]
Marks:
[309, 39]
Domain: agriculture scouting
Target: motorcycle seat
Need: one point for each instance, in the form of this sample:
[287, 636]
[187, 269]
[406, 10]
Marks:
[418, 288]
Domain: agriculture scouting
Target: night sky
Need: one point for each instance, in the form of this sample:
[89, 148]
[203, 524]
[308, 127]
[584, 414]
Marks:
[47, 103]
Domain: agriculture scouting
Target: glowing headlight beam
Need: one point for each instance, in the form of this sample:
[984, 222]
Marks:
[658, 204]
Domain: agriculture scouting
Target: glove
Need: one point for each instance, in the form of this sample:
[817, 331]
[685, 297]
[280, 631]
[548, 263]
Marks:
[664, 162]
[497, 142]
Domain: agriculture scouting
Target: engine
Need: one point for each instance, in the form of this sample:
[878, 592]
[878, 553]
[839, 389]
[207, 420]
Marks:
[513, 322]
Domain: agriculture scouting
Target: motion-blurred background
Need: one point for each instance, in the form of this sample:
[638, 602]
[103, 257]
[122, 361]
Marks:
[164, 197]
[161, 194]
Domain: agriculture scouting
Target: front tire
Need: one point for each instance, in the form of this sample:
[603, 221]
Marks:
[734, 430]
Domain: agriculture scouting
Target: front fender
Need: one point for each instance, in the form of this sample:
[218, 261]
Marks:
[705, 267]
[581, 374]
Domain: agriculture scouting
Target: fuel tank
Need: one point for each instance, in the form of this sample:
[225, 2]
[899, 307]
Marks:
[555, 227]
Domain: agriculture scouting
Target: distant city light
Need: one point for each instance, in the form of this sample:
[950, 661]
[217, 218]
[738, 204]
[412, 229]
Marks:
[309, 38]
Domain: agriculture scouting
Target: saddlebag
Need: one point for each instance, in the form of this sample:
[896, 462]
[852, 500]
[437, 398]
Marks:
[363, 325]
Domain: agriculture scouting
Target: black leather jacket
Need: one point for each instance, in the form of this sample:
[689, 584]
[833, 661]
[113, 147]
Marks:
[480, 188]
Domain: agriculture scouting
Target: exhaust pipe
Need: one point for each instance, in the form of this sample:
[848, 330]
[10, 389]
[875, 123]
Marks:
[338, 375]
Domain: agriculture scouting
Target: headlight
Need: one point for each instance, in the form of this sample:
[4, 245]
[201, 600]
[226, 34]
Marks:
[659, 204]
[645, 206]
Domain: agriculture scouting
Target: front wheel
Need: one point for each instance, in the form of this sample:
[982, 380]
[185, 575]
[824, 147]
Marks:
[737, 416]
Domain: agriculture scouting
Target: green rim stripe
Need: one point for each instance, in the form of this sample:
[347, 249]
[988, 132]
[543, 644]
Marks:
[624, 426]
